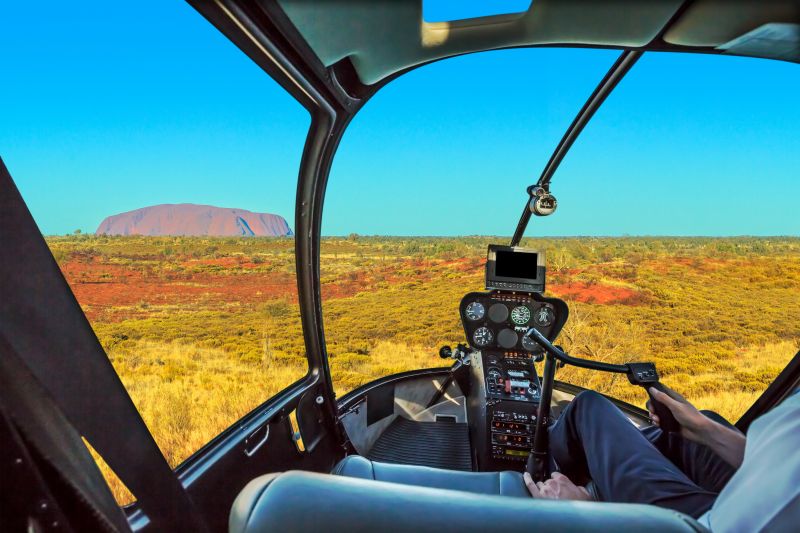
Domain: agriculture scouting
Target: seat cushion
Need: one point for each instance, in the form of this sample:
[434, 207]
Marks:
[495, 483]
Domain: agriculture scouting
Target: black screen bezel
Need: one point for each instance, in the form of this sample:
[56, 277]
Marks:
[491, 266]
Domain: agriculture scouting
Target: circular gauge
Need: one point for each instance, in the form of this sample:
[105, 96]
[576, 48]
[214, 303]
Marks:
[475, 311]
[483, 336]
[507, 338]
[543, 316]
[520, 315]
[529, 344]
[498, 313]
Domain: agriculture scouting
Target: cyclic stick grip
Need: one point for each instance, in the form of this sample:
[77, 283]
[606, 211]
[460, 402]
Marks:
[645, 375]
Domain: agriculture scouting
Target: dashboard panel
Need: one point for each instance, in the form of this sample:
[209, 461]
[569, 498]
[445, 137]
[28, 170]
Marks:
[506, 387]
[498, 320]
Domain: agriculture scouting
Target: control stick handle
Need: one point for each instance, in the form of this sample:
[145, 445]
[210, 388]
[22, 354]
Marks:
[666, 420]
[645, 375]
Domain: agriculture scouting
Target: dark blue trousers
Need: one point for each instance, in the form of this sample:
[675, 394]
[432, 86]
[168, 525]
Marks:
[593, 440]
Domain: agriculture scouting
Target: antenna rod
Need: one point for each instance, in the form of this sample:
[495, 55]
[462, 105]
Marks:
[617, 71]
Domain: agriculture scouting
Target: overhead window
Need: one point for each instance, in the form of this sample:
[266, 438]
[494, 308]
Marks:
[450, 10]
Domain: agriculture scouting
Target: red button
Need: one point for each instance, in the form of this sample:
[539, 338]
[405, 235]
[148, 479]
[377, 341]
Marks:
[508, 387]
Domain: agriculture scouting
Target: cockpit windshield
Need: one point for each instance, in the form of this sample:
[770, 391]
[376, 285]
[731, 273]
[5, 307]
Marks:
[658, 245]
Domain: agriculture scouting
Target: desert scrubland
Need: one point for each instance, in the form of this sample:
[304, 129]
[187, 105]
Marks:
[202, 330]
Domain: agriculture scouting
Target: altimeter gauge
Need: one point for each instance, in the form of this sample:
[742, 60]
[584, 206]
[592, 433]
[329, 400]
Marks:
[520, 315]
[483, 336]
[475, 311]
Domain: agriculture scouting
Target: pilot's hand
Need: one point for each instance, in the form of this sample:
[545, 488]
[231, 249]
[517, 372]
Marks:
[693, 423]
[558, 487]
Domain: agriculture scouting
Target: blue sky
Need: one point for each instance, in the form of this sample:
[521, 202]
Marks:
[107, 111]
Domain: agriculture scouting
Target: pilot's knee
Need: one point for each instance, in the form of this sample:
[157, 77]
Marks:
[591, 399]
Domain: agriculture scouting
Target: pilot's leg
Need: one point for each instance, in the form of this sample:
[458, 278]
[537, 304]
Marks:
[698, 462]
[593, 439]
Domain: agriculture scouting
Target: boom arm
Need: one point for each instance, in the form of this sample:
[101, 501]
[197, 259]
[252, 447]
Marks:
[618, 70]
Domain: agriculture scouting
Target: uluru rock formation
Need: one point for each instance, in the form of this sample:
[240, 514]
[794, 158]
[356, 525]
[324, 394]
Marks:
[194, 220]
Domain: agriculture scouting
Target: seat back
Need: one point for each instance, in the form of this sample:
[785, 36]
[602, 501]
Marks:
[304, 501]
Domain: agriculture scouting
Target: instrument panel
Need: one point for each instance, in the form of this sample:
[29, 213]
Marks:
[506, 385]
[511, 431]
[510, 376]
[498, 321]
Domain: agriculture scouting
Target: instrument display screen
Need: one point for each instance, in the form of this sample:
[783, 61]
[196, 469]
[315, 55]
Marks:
[516, 265]
[519, 453]
[512, 268]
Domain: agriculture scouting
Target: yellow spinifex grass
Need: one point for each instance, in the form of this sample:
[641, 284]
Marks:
[203, 330]
[188, 394]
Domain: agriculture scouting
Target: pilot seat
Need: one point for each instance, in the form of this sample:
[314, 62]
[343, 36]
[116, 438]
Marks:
[368, 496]
[506, 483]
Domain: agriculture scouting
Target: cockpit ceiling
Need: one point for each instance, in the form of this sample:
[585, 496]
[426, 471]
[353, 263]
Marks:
[716, 22]
[382, 37]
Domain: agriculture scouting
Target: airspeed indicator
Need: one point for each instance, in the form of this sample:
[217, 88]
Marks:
[475, 311]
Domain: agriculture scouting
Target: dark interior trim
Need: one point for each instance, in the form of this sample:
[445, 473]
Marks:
[256, 34]
[71, 365]
[277, 406]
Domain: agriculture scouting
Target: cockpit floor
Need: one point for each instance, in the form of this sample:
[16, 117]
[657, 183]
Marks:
[435, 444]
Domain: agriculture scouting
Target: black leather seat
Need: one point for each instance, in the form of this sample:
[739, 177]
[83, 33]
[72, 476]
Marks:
[305, 501]
[494, 483]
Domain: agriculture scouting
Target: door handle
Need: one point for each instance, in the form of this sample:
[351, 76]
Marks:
[256, 440]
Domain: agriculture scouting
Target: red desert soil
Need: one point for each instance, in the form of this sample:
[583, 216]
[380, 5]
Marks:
[112, 290]
[597, 293]
[100, 287]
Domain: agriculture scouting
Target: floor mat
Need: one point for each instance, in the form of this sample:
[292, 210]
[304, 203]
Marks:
[436, 444]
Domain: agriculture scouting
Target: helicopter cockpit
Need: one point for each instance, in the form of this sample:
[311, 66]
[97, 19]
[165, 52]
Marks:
[475, 431]
[503, 353]
[419, 449]
[492, 412]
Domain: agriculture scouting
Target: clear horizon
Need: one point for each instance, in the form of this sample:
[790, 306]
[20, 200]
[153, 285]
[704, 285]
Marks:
[500, 238]
[169, 111]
